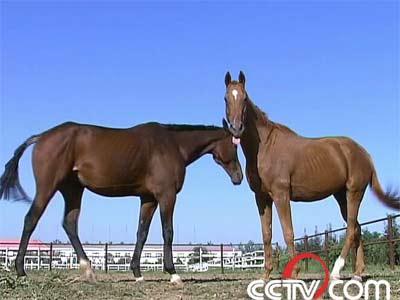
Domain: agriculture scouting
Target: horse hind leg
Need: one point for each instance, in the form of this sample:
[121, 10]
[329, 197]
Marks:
[147, 209]
[360, 258]
[50, 168]
[36, 210]
[72, 192]
[349, 203]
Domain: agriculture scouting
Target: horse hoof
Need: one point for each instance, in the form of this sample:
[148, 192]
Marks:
[139, 279]
[90, 277]
[176, 280]
[21, 273]
[357, 278]
[22, 278]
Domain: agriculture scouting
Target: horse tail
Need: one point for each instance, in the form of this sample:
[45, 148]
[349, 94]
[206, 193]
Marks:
[10, 187]
[390, 199]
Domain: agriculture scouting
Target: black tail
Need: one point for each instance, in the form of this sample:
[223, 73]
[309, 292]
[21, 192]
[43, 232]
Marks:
[10, 187]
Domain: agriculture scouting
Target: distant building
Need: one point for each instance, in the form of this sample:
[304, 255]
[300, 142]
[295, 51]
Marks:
[186, 257]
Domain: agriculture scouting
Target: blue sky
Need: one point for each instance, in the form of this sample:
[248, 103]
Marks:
[322, 68]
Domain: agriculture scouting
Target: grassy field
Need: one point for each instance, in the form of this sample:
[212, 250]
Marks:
[121, 285]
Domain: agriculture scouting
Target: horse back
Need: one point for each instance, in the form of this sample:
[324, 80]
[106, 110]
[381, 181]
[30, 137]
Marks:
[112, 162]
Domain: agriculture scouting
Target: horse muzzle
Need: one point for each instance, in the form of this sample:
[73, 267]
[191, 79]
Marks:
[236, 130]
[237, 178]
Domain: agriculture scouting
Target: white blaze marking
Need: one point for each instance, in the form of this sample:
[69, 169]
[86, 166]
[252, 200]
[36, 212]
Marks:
[235, 93]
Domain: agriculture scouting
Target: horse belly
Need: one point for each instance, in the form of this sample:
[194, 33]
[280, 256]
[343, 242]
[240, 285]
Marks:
[317, 186]
[117, 191]
[107, 179]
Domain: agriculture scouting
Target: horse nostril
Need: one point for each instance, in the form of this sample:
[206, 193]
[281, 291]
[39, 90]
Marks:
[237, 179]
[241, 126]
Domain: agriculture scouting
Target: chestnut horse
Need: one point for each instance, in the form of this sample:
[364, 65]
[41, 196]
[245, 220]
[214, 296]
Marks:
[282, 166]
[147, 160]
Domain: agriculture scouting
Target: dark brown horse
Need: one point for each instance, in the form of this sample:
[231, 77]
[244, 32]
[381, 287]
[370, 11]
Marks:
[148, 161]
[283, 166]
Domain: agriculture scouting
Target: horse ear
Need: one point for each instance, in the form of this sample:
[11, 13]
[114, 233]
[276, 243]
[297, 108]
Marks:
[227, 79]
[242, 78]
[225, 124]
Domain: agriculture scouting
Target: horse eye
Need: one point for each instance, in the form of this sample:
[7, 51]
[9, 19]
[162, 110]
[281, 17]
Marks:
[226, 100]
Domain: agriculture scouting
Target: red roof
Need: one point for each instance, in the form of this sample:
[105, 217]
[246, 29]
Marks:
[35, 244]
[14, 244]
[208, 247]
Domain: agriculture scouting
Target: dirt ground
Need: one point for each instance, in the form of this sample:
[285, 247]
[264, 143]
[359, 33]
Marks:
[64, 285]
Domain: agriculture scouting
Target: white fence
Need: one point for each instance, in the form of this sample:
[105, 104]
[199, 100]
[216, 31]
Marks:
[117, 257]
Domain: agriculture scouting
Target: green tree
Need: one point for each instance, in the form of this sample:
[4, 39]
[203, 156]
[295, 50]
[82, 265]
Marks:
[375, 254]
[195, 256]
[250, 247]
[179, 261]
[314, 243]
[395, 235]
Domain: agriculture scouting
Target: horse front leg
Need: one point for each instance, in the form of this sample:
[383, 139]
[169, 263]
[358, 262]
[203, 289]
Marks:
[167, 205]
[281, 198]
[264, 205]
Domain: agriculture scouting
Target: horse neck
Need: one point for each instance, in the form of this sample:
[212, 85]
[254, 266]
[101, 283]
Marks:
[255, 115]
[258, 128]
[257, 125]
[195, 143]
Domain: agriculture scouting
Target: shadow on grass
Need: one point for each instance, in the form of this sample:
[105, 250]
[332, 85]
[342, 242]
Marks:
[208, 280]
[229, 279]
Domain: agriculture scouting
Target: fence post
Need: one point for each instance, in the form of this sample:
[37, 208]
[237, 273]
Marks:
[6, 257]
[390, 242]
[277, 254]
[38, 257]
[234, 259]
[51, 257]
[106, 257]
[201, 257]
[326, 247]
[306, 249]
[222, 258]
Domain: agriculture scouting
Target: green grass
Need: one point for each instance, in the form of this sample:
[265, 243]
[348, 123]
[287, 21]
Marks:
[62, 284]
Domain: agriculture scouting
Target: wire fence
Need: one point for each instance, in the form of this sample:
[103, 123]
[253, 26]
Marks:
[189, 257]
[391, 239]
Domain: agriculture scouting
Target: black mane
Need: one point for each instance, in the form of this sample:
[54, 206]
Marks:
[189, 127]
